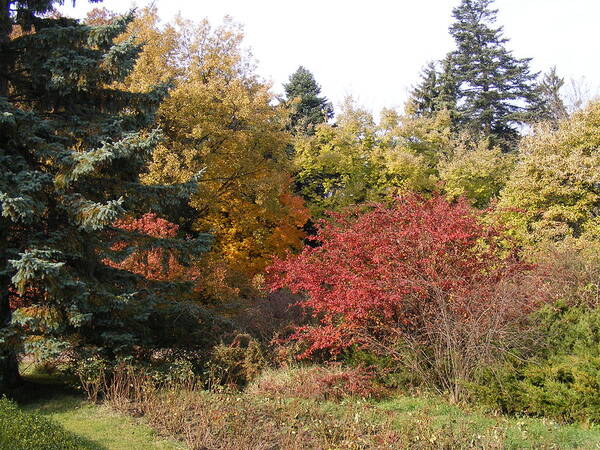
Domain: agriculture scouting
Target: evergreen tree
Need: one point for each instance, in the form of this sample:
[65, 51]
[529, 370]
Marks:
[424, 97]
[71, 151]
[495, 89]
[551, 106]
[435, 92]
[308, 108]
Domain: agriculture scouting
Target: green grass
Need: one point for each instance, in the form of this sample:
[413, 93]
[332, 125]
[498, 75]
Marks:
[103, 428]
[20, 430]
[98, 424]
[519, 433]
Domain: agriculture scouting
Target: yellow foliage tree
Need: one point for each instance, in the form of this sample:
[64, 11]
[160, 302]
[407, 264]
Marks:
[357, 160]
[475, 171]
[219, 118]
[554, 192]
[334, 167]
[411, 150]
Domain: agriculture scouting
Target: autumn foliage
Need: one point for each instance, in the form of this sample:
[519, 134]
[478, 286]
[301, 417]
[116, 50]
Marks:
[160, 264]
[400, 268]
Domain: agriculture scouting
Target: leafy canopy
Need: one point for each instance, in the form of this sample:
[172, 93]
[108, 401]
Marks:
[554, 192]
[219, 118]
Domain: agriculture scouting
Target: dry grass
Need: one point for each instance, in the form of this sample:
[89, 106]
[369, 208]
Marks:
[258, 419]
[332, 382]
[216, 421]
[281, 420]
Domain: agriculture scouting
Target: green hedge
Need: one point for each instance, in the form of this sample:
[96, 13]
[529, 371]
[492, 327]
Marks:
[561, 380]
[24, 431]
[564, 388]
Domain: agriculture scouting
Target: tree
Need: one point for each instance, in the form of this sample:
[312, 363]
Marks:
[152, 263]
[308, 108]
[552, 108]
[477, 173]
[220, 118]
[20, 17]
[355, 160]
[495, 90]
[419, 272]
[436, 92]
[424, 97]
[579, 94]
[410, 151]
[554, 191]
[72, 149]
[334, 166]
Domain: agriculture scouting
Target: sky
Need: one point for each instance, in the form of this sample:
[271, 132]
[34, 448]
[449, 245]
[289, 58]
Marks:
[374, 50]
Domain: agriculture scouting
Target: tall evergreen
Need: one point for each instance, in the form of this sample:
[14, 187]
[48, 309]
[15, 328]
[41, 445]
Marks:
[496, 91]
[436, 91]
[424, 97]
[551, 106]
[308, 108]
[71, 151]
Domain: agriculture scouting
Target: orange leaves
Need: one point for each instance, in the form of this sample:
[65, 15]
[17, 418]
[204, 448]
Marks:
[149, 263]
[149, 224]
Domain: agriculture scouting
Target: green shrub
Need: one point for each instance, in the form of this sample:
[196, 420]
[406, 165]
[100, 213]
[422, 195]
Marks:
[23, 431]
[385, 370]
[561, 378]
[564, 388]
[569, 329]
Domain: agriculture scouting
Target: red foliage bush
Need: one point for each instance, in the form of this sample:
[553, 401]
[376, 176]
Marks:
[400, 268]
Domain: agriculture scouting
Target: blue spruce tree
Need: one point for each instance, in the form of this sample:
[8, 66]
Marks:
[72, 148]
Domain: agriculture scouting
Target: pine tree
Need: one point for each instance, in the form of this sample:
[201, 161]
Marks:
[424, 97]
[71, 152]
[551, 106]
[308, 108]
[495, 89]
[435, 92]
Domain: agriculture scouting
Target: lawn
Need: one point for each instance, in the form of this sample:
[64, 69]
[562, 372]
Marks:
[516, 433]
[101, 427]
[228, 421]
[98, 424]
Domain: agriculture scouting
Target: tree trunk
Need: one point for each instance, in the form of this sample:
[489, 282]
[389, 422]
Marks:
[9, 371]
[5, 30]
[9, 366]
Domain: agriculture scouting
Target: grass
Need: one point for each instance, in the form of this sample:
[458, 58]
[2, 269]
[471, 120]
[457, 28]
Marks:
[101, 427]
[98, 424]
[517, 433]
[235, 421]
[258, 420]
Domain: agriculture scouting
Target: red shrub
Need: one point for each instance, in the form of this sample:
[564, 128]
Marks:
[400, 268]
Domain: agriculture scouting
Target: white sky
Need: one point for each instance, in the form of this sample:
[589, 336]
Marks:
[374, 50]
